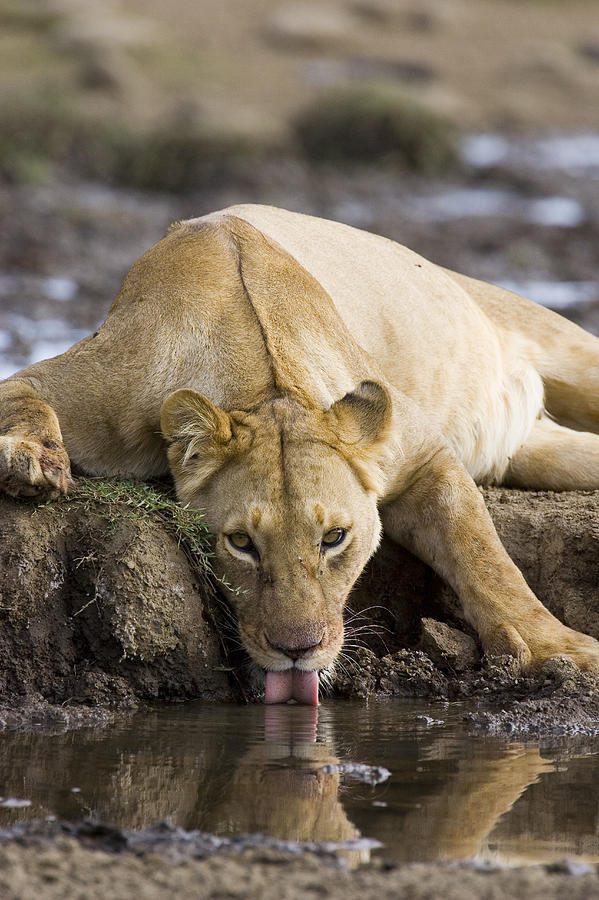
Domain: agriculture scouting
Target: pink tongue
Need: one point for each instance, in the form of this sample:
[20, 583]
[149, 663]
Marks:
[279, 686]
[292, 684]
[305, 687]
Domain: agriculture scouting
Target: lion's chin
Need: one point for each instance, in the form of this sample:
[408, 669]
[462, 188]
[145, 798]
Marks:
[292, 684]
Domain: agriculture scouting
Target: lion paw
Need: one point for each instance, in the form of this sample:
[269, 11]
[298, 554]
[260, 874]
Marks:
[550, 641]
[579, 648]
[33, 467]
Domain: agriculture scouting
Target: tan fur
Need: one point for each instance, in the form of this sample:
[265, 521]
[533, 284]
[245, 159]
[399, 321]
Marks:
[299, 376]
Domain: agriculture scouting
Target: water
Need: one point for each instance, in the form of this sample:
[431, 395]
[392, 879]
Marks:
[458, 203]
[575, 154]
[557, 295]
[244, 769]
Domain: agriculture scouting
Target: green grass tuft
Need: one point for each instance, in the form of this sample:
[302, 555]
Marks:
[116, 499]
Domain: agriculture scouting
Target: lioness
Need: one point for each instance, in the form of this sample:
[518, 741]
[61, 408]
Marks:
[305, 381]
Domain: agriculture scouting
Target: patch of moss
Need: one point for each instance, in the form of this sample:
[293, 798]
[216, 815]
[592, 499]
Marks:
[376, 123]
[21, 167]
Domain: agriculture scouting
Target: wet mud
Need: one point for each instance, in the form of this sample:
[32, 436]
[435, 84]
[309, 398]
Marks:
[558, 700]
[103, 612]
[98, 862]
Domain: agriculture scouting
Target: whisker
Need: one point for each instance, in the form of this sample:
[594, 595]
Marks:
[368, 629]
[357, 615]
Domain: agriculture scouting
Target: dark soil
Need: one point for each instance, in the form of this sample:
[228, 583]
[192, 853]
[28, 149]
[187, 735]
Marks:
[100, 611]
[104, 609]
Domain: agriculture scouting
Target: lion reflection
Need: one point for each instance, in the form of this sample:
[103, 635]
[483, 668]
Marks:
[279, 786]
[260, 770]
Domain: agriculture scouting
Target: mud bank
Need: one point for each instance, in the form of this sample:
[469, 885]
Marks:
[101, 605]
[52, 861]
[104, 606]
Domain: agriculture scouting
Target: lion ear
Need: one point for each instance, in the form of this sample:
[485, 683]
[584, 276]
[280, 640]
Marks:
[199, 434]
[362, 417]
[360, 423]
[187, 415]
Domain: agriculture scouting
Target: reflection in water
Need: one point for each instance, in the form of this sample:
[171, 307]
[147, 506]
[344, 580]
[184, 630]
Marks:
[232, 769]
[279, 787]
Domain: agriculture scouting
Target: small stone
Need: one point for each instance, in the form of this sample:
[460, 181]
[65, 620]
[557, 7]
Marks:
[572, 867]
[362, 772]
[447, 646]
[428, 721]
[563, 671]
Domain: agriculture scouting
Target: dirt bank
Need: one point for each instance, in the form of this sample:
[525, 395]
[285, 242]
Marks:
[105, 604]
[53, 865]
[101, 604]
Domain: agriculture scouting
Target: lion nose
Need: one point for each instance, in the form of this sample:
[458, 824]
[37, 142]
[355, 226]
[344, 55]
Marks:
[297, 642]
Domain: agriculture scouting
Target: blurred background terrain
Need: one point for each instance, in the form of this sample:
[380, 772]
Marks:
[467, 130]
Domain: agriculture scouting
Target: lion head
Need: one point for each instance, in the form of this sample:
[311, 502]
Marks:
[291, 496]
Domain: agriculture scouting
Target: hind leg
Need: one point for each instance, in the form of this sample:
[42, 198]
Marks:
[555, 458]
[565, 356]
[570, 372]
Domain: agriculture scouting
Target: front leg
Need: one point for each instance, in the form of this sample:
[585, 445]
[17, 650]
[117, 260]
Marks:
[33, 458]
[442, 518]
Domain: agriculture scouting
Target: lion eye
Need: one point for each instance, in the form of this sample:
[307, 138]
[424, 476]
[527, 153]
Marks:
[333, 538]
[241, 541]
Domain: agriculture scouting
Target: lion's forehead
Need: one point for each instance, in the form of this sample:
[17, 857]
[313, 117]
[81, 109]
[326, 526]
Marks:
[306, 492]
[290, 480]
[287, 520]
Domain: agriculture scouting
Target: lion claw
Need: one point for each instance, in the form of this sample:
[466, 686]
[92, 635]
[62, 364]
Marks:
[31, 468]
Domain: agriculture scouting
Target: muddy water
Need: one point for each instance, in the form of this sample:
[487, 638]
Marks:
[234, 769]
